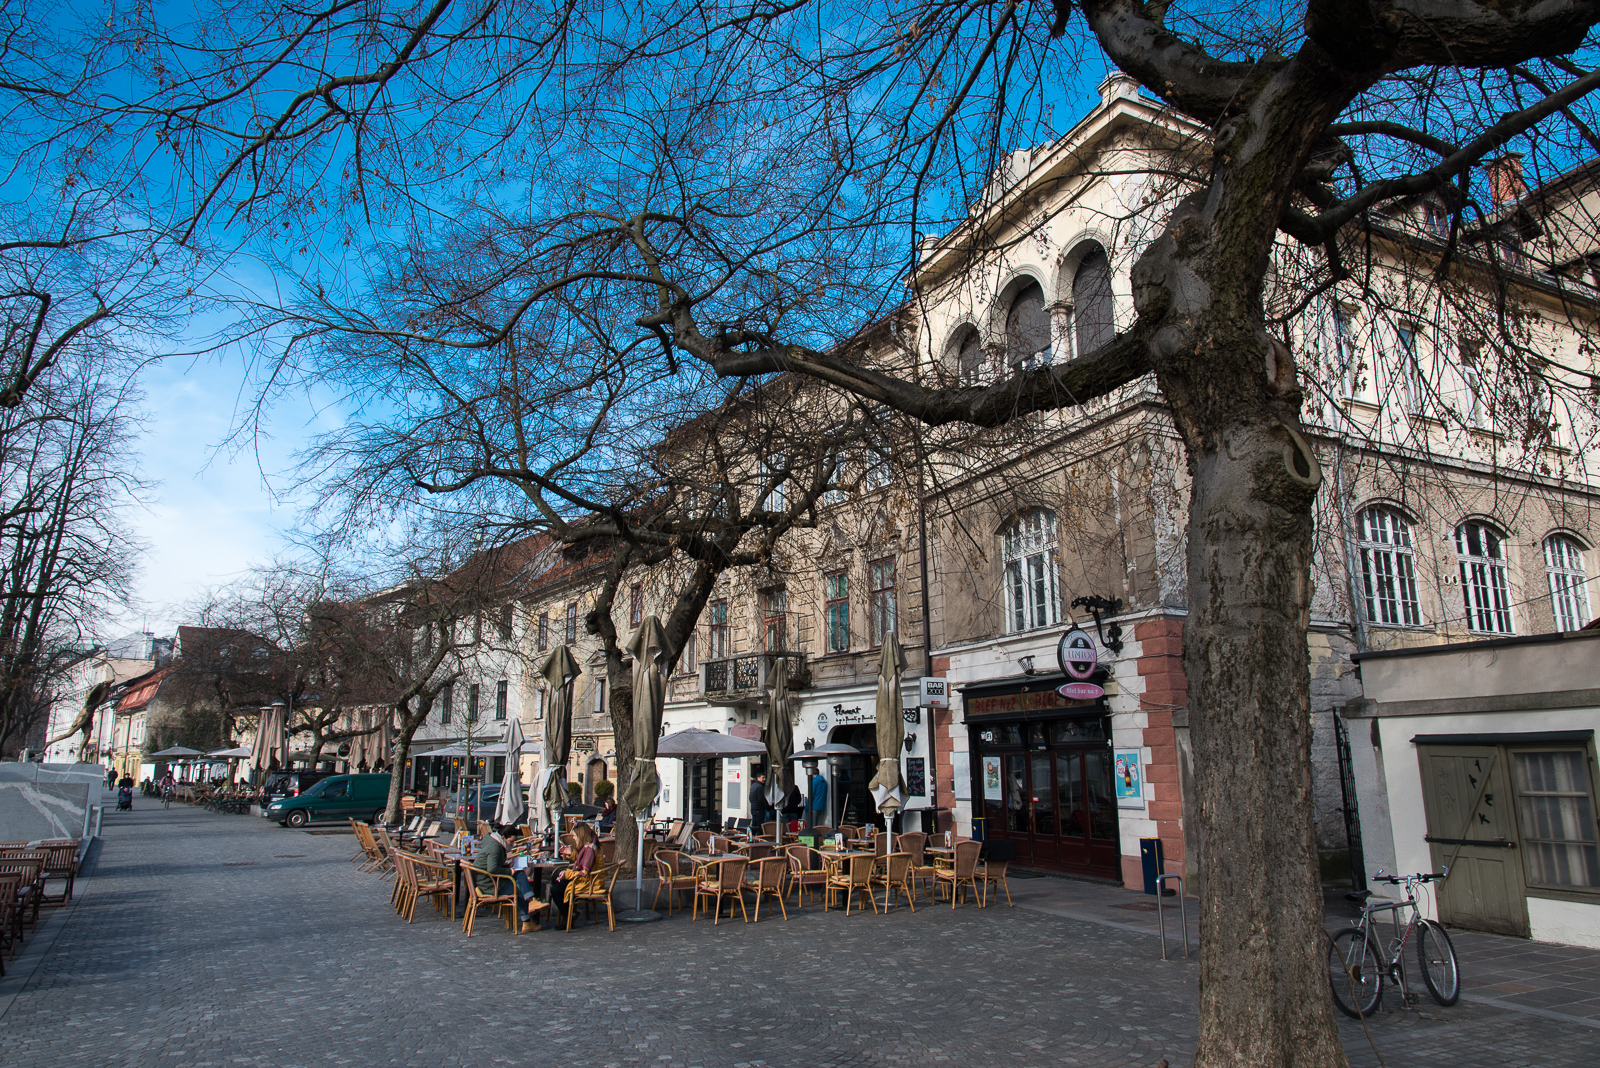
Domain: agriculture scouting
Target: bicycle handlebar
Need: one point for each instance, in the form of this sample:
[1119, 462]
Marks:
[1420, 877]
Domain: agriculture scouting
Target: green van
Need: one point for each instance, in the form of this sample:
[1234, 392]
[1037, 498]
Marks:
[335, 798]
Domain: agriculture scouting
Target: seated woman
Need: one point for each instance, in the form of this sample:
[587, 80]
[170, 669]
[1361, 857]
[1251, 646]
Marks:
[585, 855]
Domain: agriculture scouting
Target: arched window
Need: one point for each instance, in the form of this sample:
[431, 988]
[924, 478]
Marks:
[1093, 321]
[1032, 596]
[1388, 571]
[1028, 329]
[1569, 596]
[969, 360]
[1481, 551]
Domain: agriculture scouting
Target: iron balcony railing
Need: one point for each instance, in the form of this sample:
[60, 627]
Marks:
[747, 675]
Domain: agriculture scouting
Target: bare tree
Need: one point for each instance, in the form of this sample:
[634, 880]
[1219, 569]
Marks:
[747, 180]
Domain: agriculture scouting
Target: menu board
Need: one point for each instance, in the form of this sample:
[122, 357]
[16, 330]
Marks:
[916, 777]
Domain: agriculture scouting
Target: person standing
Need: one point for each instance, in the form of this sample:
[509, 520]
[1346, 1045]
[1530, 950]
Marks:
[760, 809]
[819, 798]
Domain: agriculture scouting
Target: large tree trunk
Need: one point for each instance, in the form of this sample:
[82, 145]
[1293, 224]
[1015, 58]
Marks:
[1235, 398]
[409, 723]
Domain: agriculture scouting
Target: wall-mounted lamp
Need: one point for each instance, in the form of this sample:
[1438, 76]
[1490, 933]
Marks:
[911, 740]
[1026, 663]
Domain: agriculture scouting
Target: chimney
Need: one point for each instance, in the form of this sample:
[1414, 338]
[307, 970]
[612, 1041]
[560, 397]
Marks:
[1505, 179]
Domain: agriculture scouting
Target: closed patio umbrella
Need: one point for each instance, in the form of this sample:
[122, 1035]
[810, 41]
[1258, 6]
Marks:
[890, 720]
[560, 669]
[780, 744]
[511, 808]
[649, 649]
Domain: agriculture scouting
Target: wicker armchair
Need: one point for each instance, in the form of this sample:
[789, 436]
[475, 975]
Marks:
[503, 899]
[893, 873]
[434, 881]
[671, 877]
[702, 840]
[720, 879]
[853, 876]
[593, 888]
[960, 872]
[805, 871]
[768, 882]
[916, 843]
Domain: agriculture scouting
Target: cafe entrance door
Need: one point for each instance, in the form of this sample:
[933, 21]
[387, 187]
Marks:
[1047, 788]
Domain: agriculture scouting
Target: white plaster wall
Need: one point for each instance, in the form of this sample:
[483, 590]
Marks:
[1570, 923]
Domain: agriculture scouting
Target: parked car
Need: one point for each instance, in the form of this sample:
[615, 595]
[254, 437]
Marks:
[478, 803]
[281, 784]
[336, 797]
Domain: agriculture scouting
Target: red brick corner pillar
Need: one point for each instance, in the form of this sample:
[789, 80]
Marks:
[1165, 690]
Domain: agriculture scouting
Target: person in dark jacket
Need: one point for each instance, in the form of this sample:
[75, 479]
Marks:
[492, 859]
[793, 803]
[760, 810]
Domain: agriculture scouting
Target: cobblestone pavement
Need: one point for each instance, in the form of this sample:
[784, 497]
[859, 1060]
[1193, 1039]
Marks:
[203, 939]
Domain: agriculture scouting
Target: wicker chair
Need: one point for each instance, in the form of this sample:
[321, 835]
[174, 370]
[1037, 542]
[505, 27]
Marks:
[880, 843]
[477, 898]
[856, 877]
[434, 881]
[722, 878]
[997, 857]
[893, 873]
[850, 831]
[805, 871]
[723, 843]
[671, 878]
[915, 843]
[702, 840]
[757, 850]
[768, 882]
[593, 888]
[960, 872]
[768, 830]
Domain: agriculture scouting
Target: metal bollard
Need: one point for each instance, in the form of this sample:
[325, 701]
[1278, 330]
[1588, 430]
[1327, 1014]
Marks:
[1183, 914]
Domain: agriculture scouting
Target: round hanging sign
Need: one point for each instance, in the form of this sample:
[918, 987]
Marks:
[1076, 655]
[1081, 691]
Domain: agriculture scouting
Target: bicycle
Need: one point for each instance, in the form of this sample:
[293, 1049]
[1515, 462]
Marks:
[1358, 966]
[167, 794]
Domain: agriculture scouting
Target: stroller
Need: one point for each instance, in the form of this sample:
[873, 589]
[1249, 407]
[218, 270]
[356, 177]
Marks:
[125, 799]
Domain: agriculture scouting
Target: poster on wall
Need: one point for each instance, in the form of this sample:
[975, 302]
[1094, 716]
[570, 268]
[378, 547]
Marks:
[916, 777]
[962, 770]
[1125, 773]
[991, 778]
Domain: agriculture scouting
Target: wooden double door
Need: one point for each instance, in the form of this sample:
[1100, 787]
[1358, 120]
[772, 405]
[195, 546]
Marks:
[1059, 807]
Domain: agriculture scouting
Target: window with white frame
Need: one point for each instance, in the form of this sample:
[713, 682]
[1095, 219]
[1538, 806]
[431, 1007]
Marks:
[1410, 369]
[876, 472]
[1388, 569]
[775, 500]
[500, 695]
[1344, 349]
[1481, 551]
[1569, 596]
[836, 610]
[882, 609]
[1032, 594]
[1555, 819]
[1472, 375]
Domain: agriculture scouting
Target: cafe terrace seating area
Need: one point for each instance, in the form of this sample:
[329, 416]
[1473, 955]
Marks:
[33, 876]
[713, 875]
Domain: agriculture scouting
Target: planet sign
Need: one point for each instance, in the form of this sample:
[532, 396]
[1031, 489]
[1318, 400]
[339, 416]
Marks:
[1075, 652]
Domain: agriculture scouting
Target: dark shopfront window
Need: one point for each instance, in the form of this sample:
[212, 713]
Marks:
[1046, 785]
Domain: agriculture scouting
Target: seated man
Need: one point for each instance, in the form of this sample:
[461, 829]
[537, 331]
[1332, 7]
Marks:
[492, 859]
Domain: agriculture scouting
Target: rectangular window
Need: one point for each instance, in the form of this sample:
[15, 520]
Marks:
[599, 692]
[503, 624]
[500, 700]
[1032, 592]
[836, 611]
[1410, 369]
[881, 594]
[1569, 595]
[1481, 552]
[472, 703]
[544, 631]
[539, 697]
[447, 702]
[636, 604]
[1344, 348]
[1556, 819]
[477, 627]
[717, 630]
[572, 622]
[686, 659]
[1472, 374]
[835, 493]
[774, 606]
[877, 473]
[775, 500]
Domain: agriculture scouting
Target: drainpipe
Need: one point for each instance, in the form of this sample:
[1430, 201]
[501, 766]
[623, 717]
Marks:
[932, 729]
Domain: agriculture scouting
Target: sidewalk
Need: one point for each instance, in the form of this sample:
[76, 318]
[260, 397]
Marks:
[1534, 978]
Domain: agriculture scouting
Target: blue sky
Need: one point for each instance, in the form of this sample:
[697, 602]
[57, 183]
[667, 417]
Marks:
[213, 513]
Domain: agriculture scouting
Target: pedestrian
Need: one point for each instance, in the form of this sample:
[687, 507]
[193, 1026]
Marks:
[819, 797]
[760, 810]
[793, 804]
[111, 778]
[492, 859]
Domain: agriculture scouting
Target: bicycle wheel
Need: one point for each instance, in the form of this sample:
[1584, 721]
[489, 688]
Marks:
[1438, 960]
[1355, 973]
